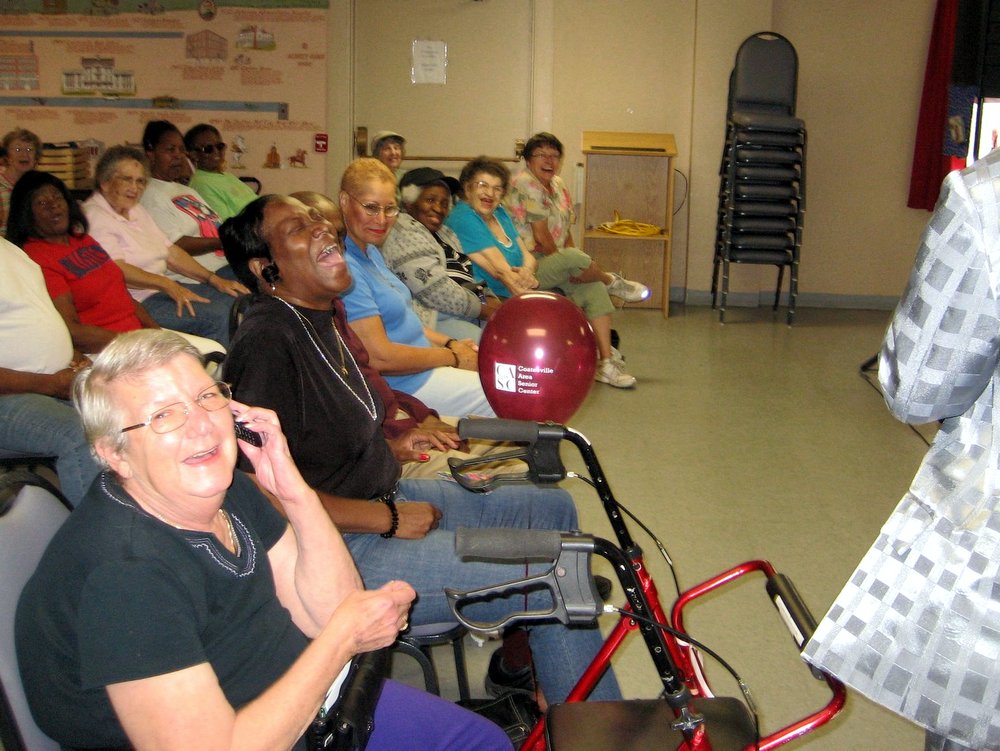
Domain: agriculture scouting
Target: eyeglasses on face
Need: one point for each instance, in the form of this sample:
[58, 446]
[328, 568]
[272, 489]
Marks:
[173, 416]
[139, 182]
[496, 190]
[374, 209]
[208, 148]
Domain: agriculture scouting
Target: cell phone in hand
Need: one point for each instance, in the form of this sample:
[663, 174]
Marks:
[245, 434]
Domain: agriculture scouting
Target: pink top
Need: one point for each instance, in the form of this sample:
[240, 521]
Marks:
[136, 239]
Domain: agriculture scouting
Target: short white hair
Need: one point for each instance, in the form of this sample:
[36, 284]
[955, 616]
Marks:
[127, 354]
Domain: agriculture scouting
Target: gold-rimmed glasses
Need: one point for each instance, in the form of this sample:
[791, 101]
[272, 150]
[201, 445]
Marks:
[172, 416]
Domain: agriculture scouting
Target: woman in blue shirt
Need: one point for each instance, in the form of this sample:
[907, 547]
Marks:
[440, 371]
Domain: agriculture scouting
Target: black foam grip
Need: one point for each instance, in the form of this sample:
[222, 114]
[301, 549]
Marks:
[503, 543]
[517, 431]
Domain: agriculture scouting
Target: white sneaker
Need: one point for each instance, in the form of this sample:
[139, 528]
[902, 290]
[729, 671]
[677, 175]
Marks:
[628, 291]
[617, 356]
[613, 373]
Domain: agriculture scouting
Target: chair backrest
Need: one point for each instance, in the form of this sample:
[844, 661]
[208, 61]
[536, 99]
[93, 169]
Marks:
[30, 514]
[765, 76]
[253, 182]
[240, 307]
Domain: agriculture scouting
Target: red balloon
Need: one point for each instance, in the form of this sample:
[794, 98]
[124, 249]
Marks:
[537, 358]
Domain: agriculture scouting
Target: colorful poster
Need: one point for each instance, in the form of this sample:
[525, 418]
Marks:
[96, 71]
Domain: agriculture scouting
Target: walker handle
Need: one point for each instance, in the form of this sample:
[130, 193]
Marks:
[568, 581]
[495, 429]
[507, 544]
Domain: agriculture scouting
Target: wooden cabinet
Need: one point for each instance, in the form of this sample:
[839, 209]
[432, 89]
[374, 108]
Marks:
[633, 174]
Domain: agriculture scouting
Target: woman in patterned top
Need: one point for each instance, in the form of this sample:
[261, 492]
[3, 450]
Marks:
[428, 258]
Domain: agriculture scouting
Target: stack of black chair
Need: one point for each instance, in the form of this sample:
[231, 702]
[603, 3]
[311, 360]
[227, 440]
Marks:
[762, 191]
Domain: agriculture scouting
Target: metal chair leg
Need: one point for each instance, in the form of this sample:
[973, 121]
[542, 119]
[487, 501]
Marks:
[777, 291]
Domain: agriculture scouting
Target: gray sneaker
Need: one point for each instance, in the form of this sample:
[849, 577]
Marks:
[628, 291]
[611, 372]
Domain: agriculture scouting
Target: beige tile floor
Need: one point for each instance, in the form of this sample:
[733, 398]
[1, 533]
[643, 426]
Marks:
[743, 441]
[748, 440]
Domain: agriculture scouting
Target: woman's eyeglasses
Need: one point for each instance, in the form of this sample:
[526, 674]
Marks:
[208, 148]
[495, 190]
[374, 209]
[172, 416]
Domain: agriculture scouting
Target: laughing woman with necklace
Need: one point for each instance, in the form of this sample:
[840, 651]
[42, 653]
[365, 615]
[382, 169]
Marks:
[288, 355]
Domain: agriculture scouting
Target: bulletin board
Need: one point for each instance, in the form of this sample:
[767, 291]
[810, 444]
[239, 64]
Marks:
[95, 71]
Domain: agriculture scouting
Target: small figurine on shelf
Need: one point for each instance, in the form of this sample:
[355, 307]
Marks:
[273, 160]
[236, 153]
[298, 159]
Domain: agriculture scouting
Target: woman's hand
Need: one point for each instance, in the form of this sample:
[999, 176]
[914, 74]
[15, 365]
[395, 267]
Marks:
[416, 519]
[467, 353]
[449, 431]
[272, 461]
[490, 306]
[520, 280]
[61, 383]
[227, 286]
[413, 445]
[376, 616]
[182, 295]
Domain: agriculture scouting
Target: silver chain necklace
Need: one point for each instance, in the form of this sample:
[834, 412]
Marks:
[317, 344]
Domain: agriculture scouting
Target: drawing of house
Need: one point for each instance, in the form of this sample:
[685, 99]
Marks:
[18, 65]
[255, 38]
[206, 45]
[98, 75]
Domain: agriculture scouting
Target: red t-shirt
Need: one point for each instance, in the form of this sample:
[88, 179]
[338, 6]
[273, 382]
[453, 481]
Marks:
[85, 270]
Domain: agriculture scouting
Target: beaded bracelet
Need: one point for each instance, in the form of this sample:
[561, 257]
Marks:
[394, 524]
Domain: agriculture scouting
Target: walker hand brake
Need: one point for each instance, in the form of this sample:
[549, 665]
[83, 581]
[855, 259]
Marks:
[569, 583]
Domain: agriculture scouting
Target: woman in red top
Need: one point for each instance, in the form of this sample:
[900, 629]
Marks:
[86, 286]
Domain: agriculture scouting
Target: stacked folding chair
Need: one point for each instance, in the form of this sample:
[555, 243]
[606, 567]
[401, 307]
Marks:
[762, 191]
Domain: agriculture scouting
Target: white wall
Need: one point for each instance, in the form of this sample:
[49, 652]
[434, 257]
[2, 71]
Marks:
[663, 66]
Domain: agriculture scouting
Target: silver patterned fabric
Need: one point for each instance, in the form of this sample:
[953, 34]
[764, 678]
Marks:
[917, 627]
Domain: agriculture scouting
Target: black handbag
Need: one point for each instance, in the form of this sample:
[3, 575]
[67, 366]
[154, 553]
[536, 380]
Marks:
[350, 722]
[515, 712]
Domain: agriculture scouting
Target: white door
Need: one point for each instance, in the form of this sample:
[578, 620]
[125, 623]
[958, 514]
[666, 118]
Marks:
[484, 106]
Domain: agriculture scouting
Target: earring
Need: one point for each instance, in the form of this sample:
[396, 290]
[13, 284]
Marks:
[271, 274]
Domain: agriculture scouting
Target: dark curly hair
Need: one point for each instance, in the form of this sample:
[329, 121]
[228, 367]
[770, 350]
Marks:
[541, 139]
[21, 219]
[487, 165]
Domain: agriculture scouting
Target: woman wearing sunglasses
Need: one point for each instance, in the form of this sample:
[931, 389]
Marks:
[224, 192]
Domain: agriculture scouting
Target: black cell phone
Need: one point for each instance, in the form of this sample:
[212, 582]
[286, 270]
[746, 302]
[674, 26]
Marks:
[245, 434]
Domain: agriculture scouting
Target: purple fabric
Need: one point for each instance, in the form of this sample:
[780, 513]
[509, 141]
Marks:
[408, 718]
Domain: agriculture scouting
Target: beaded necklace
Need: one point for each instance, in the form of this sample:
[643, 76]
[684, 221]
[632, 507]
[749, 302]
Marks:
[340, 373]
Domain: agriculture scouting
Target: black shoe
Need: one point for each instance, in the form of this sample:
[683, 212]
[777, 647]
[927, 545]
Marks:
[603, 586]
[499, 681]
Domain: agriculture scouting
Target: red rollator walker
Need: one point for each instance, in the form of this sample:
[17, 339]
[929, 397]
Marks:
[686, 716]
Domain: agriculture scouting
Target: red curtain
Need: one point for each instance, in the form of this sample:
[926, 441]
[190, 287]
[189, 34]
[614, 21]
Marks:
[930, 164]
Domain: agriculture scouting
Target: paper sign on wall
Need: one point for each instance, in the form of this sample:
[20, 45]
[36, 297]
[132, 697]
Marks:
[429, 62]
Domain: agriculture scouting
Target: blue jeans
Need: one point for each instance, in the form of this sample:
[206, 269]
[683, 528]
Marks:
[36, 424]
[458, 327]
[211, 320]
[560, 653]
